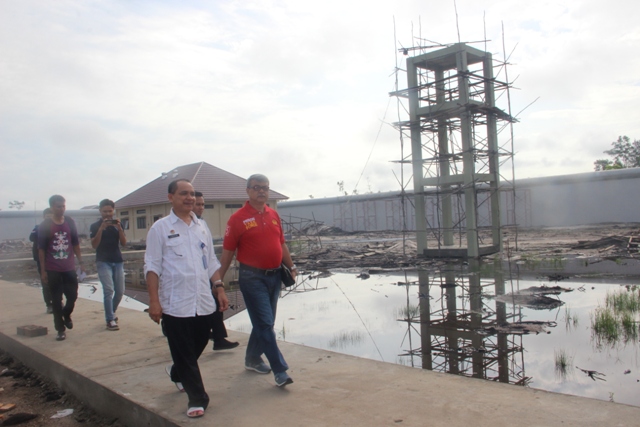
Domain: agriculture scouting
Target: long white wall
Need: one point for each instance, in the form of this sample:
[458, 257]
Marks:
[566, 200]
[16, 225]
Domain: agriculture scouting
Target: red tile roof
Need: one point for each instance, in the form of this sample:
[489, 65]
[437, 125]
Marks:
[213, 182]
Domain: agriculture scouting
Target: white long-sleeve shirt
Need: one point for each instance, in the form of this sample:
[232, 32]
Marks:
[183, 258]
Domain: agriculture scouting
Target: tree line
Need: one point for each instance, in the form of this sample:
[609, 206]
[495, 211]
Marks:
[624, 154]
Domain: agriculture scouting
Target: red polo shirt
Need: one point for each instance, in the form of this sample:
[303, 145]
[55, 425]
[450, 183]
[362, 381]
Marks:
[257, 236]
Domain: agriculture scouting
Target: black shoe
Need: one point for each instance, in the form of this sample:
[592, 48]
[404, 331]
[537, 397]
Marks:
[224, 344]
[67, 322]
[61, 336]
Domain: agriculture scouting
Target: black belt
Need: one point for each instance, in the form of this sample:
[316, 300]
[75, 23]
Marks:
[269, 272]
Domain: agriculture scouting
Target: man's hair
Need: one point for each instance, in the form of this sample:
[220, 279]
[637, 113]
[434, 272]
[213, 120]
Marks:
[46, 212]
[199, 194]
[107, 202]
[173, 185]
[55, 199]
[256, 177]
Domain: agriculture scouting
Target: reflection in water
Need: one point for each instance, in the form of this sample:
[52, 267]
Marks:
[457, 320]
[458, 326]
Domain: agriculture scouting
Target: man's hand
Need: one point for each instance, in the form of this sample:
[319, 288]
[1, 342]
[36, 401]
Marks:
[44, 278]
[155, 311]
[223, 300]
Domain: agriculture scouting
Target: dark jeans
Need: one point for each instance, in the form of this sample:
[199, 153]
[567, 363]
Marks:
[46, 290]
[261, 295]
[62, 283]
[188, 337]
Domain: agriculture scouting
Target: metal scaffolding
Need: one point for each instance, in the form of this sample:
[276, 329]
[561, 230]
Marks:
[453, 329]
[453, 124]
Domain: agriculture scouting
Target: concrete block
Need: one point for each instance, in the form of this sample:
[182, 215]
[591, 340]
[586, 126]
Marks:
[32, 330]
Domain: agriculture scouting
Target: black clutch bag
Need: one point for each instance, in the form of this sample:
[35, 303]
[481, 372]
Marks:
[287, 278]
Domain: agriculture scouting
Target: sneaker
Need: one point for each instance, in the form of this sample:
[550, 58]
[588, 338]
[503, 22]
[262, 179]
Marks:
[49, 309]
[61, 336]
[259, 367]
[67, 322]
[224, 344]
[113, 326]
[178, 384]
[282, 379]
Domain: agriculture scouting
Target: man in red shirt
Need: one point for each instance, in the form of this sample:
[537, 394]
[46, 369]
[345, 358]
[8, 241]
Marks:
[254, 234]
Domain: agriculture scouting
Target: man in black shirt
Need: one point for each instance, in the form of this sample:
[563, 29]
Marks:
[106, 237]
[33, 237]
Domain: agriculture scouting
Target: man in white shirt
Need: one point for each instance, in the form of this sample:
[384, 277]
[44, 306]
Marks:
[179, 262]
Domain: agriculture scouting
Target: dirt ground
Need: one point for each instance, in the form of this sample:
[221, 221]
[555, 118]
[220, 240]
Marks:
[33, 394]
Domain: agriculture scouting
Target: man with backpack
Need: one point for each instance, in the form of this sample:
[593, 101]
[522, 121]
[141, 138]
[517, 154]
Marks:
[57, 242]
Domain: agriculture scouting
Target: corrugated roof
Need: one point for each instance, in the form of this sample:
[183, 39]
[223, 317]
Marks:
[213, 182]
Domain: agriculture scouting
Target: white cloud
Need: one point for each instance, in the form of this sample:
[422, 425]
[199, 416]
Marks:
[96, 99]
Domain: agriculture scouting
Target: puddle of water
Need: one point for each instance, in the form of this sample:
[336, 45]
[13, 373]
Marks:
[92, 290]
[446, 321]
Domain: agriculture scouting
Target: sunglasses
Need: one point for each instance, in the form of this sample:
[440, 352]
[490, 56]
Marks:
[260, 187]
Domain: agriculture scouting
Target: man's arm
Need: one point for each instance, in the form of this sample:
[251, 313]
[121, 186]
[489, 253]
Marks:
[76, 250]
[121, 235]
[286, 259]
[225, 262]
[155, 309]
[219, 291]
[97, 238]
[43, 273]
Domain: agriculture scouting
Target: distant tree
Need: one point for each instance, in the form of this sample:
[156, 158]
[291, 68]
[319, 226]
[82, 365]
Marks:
[626, 154]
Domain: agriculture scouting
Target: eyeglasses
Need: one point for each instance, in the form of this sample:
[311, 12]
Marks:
[260, 187]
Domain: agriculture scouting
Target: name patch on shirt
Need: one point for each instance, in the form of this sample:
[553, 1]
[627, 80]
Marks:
[250, 223]
[171, 236]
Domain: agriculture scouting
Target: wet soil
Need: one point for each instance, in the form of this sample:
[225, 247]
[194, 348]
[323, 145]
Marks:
[36, 400]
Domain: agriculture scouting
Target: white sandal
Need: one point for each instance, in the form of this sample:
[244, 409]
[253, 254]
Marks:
[195, 412]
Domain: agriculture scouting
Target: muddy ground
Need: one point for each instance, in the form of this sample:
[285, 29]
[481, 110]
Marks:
[318, 249]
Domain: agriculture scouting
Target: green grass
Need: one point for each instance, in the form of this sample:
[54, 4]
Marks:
[407, 312]
[570, 319]
[563, 362]
[617, 319]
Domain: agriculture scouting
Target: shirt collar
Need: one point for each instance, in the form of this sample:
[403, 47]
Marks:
[174, 218]
[253, 210]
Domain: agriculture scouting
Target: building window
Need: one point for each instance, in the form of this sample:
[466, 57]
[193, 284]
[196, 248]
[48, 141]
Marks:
[141, 222]
[141, 211]
[124, 222]
[156, 217]
[208, 206]
[124, 213]
[233, 205]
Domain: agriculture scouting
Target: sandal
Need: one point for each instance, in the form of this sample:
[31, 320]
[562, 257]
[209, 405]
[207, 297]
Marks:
[195, 412]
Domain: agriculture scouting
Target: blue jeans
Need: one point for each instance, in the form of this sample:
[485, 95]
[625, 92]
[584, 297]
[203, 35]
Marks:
[261, 295]
[111, 276]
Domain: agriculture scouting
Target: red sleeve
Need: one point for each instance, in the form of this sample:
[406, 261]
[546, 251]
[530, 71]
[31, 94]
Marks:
[231, 236]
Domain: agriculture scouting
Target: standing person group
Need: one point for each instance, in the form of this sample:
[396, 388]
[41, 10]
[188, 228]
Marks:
[57, 243]
[106, 237]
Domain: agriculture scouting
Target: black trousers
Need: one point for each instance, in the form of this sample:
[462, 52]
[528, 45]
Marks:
[188, 337]
[218, 330]
[62, 283]
[46, 290]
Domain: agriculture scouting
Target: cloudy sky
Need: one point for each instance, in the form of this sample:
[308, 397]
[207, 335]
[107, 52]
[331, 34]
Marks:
[97, 98]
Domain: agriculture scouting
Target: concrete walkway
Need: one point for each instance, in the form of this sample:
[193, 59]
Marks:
[121, 374]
